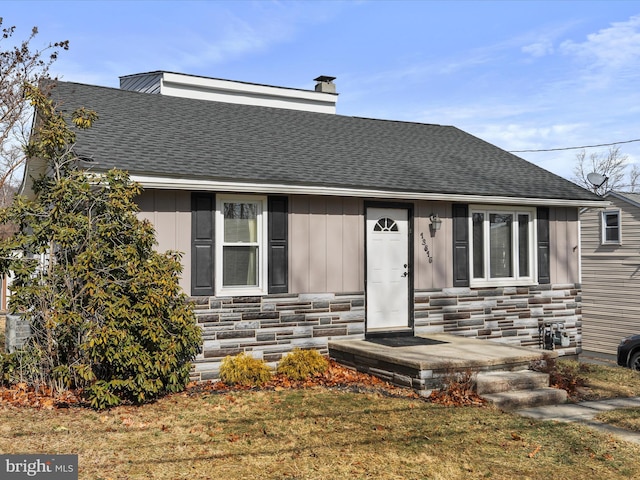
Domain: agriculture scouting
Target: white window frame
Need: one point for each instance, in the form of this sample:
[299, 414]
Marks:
[262, 265]
[516, 278]
[603, 228]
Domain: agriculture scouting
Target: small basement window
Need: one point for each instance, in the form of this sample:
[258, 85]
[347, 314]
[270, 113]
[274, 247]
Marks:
[611, 227]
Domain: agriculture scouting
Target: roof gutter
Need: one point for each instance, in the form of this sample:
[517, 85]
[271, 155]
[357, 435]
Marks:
[165, 183]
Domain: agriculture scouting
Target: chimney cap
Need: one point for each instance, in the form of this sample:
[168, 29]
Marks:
[324, 78]
[325, 84]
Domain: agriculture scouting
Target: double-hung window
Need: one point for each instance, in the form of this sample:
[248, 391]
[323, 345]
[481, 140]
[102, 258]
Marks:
[611, 227]
[502, 246]
[241, 232]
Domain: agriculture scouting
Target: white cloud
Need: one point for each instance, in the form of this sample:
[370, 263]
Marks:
[236, 38]
[515, 136]
[539, 49]
[610, 57]
[616, 46]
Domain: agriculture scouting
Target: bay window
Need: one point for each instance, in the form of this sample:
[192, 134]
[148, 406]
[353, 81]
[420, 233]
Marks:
[502, 245]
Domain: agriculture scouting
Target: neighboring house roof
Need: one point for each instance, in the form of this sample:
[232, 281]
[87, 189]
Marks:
[180, 138]
[632, 198]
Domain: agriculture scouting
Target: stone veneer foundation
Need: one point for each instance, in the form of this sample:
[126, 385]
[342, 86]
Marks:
[511, 315]
[270, 326]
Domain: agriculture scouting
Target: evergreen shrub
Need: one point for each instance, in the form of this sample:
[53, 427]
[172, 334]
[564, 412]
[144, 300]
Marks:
[302, 364]
[243, 369]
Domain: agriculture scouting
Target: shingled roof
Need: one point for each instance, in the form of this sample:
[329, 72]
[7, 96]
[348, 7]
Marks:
[171, 137]
[629, 197]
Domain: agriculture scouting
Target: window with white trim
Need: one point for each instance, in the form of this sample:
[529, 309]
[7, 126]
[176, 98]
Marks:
[503, 246]
[611, 233]
[241, 253]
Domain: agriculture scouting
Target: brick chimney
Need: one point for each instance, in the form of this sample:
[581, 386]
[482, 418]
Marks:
[325, 84]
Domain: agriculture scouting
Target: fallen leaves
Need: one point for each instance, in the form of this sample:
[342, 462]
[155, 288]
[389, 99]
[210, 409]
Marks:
[22, 395]
[458, 392]
[535, 451]
[337, 376]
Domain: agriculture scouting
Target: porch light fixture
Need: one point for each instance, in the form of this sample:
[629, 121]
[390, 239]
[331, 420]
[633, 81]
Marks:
[436, 222]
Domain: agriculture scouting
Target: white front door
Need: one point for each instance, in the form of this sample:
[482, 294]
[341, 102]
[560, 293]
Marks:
[388, 269]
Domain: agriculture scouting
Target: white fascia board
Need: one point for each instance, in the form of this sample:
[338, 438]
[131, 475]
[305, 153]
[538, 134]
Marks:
[202, 88]
[164, 183]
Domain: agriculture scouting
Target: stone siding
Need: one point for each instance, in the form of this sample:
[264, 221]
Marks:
[505, 314]
[271, 326]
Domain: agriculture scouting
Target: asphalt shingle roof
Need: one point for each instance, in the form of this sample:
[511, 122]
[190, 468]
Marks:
[631, 197]
[150, 134]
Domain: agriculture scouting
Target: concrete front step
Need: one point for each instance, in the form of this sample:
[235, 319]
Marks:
[496, 382]
[526, 398]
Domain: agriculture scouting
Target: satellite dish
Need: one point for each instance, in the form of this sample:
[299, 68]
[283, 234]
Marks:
[596, 179]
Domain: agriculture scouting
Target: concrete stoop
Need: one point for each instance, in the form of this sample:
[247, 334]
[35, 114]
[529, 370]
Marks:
[519, 389]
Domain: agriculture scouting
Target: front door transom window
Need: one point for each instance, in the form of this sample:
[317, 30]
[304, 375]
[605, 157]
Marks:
[385, 225]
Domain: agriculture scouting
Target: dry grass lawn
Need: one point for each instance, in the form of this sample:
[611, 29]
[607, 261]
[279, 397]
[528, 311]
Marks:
[602, 381]
[628, 418]
[314, 433]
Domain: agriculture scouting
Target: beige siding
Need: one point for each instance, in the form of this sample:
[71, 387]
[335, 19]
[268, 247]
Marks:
[327, 245]
[565, 251]
[169, 211]
[610, 280]
[438, 273]
[326, 251]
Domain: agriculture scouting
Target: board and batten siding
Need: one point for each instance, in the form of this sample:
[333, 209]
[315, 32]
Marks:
[327, 244]
[564, 240]
[169, 211]
[610, 279]
[433, 251]
[326, 249]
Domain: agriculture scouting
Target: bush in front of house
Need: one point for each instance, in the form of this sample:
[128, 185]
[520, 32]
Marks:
[21, 366]
[243, 369]
[105, 309]
[302, 364]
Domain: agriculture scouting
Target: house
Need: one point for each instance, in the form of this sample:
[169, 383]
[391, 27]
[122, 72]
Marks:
[611, 272]
[300, 226]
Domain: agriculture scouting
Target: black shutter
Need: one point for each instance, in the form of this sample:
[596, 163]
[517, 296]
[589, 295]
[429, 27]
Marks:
[278, 249]
[460, 219]
[544, 269]
[202, 243]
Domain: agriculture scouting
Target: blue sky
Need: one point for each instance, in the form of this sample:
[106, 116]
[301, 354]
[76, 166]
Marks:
[521, 75]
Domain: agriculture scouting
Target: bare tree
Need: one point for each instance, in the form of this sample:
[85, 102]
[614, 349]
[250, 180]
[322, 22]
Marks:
[20, 64]
[611, 164]
[634, 179]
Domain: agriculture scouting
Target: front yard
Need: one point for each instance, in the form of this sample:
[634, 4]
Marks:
[320, 433]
